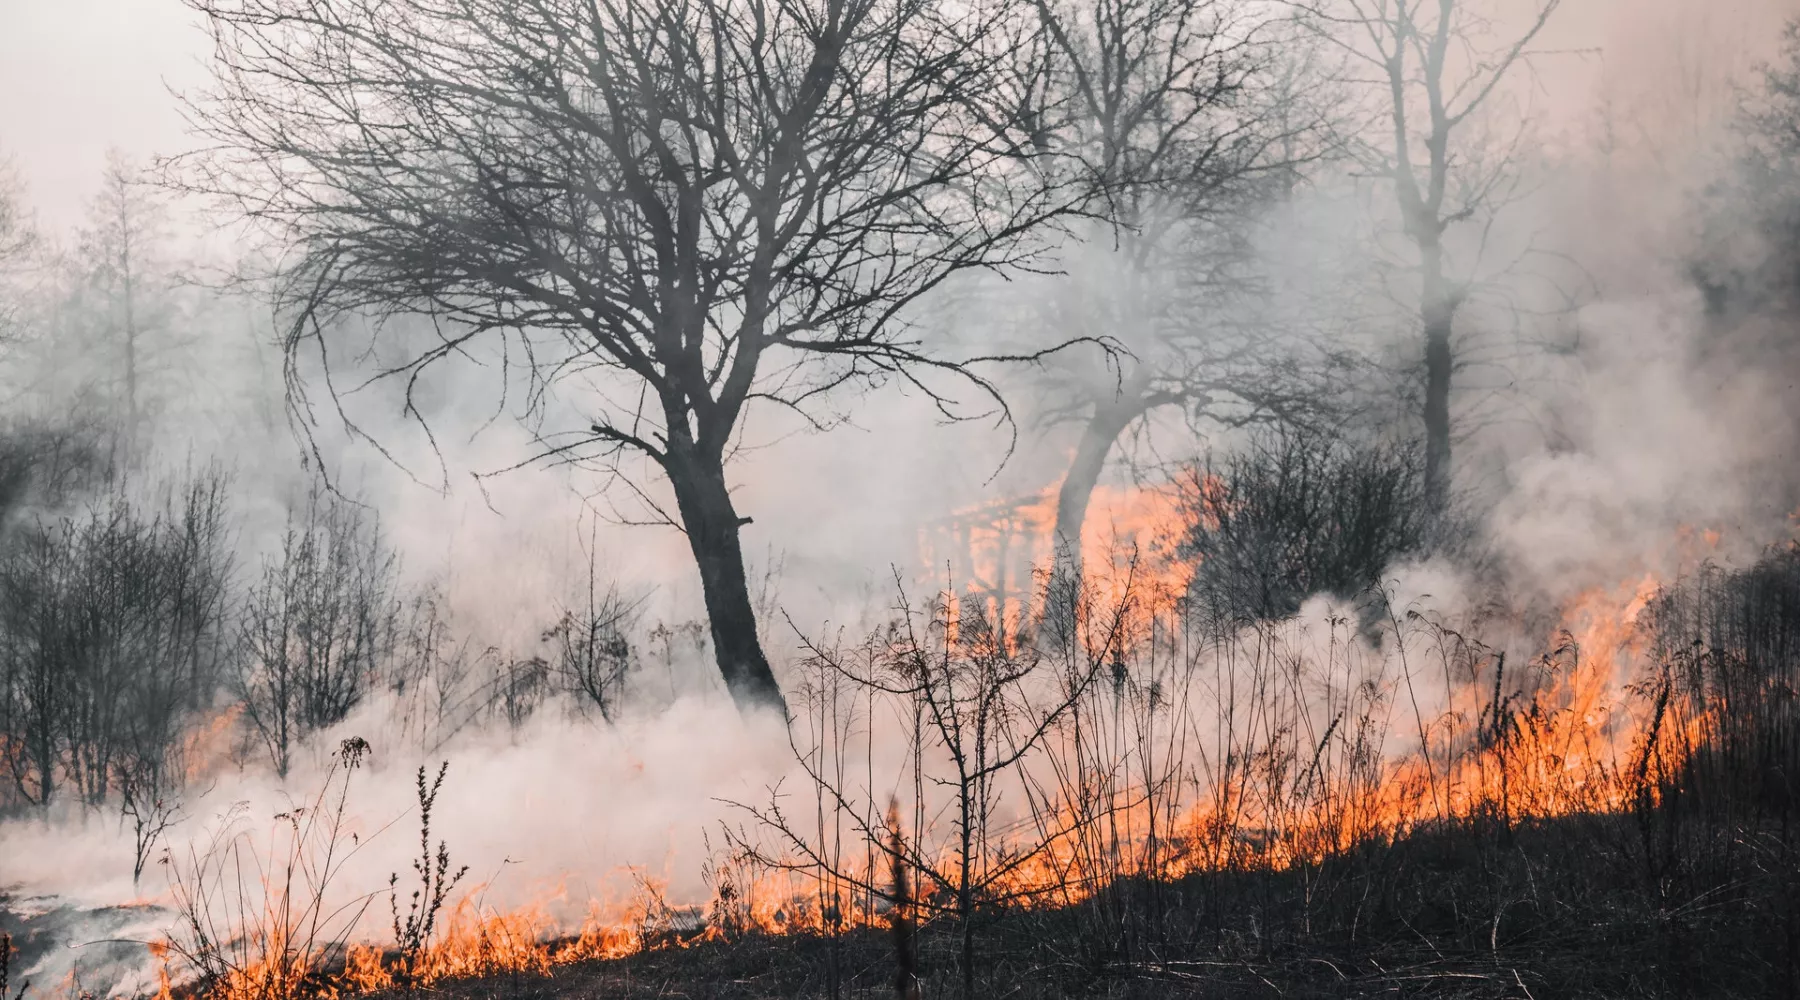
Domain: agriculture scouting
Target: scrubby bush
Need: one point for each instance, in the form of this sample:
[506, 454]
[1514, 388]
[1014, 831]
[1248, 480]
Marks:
[319, 626]
[1729, 646]
[1296, 514]
[112, 641]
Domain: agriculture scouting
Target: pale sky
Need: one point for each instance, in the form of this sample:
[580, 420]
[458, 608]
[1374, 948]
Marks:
[78, 76]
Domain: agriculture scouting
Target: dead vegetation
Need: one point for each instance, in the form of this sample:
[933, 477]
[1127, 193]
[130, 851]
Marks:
[1065, 822]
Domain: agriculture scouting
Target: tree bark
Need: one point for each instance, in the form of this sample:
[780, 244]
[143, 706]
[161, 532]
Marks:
[1437, 310]
[712, 525]
[1102, 430]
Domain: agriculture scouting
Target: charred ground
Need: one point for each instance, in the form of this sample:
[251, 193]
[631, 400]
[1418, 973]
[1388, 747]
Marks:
[1580, 906]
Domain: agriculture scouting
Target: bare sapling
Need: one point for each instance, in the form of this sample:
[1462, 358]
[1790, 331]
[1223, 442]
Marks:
[591, 655]
[981, 705]
[265, 924]
[412, 933]
[149, 805]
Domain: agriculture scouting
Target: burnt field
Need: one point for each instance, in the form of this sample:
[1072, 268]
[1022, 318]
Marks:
[1534, 846]
[1565, 908]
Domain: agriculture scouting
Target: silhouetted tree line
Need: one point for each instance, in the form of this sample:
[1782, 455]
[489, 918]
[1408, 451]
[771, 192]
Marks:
[130, 624]
[1747, 260]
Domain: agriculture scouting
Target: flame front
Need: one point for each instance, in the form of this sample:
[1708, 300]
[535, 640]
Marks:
[1282, 744]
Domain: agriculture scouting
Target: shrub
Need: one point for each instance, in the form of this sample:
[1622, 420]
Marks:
[1297, 514]
[319, 626]
[1729, 646]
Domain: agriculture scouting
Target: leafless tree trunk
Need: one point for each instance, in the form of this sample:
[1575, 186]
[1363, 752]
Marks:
[712, 524]
[1438, 63]
[118, 246]
[1178, 122]
[1102, 430]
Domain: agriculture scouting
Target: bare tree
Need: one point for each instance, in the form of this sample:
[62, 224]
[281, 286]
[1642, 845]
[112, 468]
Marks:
[1437, 67]
[119, 257]
[432, 672]
[591, 651]
[1179, 121]
[17, 231]
[180, 663]
[111, 641]
[319, 627]
[36, 685]
[698, 205]
[1746, 262]
[149, 805]
[1296, 514]
[981, 706]
[18, 241]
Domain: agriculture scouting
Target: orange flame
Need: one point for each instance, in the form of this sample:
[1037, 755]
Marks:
[1560, 735]
[1000, 552]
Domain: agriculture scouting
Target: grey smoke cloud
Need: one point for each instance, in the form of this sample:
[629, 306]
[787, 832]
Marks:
[83, 75]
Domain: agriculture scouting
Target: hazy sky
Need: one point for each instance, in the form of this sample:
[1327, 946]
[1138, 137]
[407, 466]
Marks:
[79, 75]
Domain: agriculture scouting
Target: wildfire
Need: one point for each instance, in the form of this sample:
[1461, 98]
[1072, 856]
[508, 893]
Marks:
[473, 942]
[1561, 737]
[205, 748]
[998, 553]
[1352, 753]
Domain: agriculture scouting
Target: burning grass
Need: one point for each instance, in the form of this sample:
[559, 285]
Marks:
[1312, 807]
